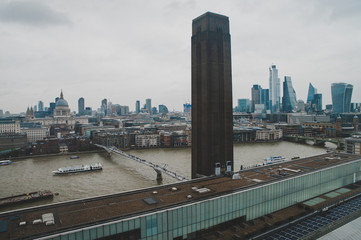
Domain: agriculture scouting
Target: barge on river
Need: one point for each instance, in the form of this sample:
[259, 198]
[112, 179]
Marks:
[26, 197]
[5, 162]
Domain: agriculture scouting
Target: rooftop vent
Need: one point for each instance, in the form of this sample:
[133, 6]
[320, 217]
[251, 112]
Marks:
[150, 201]
[48, 219]
[203, 190]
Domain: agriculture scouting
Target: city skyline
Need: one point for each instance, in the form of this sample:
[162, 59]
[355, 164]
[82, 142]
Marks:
[47, 46]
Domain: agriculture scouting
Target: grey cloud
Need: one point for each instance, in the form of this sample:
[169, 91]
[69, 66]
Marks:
[30, 13]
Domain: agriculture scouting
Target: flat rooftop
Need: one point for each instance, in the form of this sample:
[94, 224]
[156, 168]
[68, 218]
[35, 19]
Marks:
[84, 212]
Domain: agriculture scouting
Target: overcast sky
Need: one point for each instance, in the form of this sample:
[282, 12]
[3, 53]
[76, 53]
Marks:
[132, 50]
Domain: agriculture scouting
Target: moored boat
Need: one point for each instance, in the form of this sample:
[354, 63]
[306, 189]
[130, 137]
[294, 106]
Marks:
[74, 157]
[5, 162]
[26, 197]
[77, 169]
[274, 160]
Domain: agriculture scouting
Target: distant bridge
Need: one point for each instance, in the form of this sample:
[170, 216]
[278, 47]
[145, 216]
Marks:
[158, 169]
[317, 141]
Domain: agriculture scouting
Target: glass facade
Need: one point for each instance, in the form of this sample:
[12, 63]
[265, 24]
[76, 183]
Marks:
[311, 92]
[265, 98]
[317, 102]
[274, 89]
[341, 97]
[244, 105]
[289, 96]
[256, 95]
[249, 203]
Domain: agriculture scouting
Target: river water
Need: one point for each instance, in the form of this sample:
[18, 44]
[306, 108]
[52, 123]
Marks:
[122, 174]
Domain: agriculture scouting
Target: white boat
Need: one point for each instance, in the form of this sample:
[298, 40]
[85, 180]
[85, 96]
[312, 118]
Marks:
[77, 169]
[5, 162]
[274, 160]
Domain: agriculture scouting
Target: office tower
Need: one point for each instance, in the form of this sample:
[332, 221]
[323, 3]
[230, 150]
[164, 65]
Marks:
[355, 107]
[163, 109]
[317, 102]
[148, 105]
[104, 106]
[256, 95]
[81, 106]
[274, 89]
[329, 107]
[187, 108]
[300, 106]
[244, 105]
[311, 92]
[212, 117]
[51, 107]
[289, 96]
[265, 98]
[154, 110]
[41, 106]
[1, 113]
[341, 97]
[137, 107]
[35, 108]
[110, 108]
[88, 111]
[124, 110]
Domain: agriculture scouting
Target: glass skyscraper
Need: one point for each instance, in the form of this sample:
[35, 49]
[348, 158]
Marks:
[137, 106]
[81, 106]
[41, 106]
[317, 102]
[256, 95]
[244, 105]
[311, 93]
[289, 96]
[148, 105]
[341, 97]
[274, 89]
[265, 98]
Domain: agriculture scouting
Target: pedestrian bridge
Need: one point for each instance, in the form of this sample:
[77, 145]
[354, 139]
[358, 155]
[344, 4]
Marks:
[158, 169]
[317, 141]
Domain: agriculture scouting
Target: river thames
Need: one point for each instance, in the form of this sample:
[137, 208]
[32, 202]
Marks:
[122, 174]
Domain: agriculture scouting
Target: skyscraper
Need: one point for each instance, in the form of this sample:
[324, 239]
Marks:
[311, 92]
[274, 89]
[244, 105]
[187, 108]
[137, 106]
[212, 120]
[148, 105]
[51, 107]
[81, 106]
[289, 96]
[256, 95]
[104, 106]
[317, 102]
[265, 98]
[341, 97]
[41, 106]
[162, 109]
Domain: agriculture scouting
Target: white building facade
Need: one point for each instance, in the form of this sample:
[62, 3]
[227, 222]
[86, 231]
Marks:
[36, 133]
[147, 141]
[268, 134]
[9, 126]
